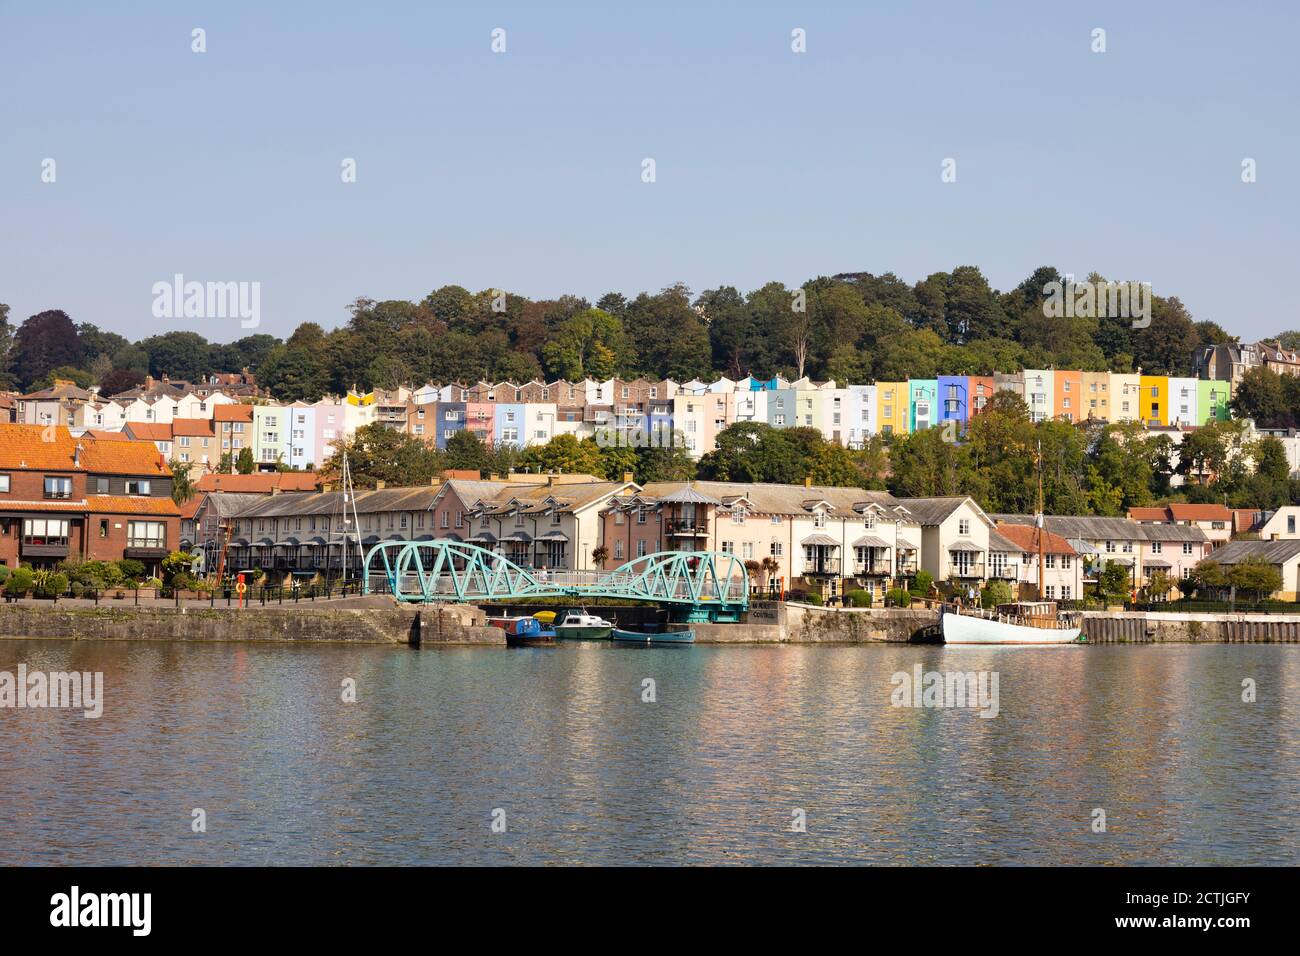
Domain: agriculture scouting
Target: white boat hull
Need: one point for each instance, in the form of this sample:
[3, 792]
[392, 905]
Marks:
[968, 629]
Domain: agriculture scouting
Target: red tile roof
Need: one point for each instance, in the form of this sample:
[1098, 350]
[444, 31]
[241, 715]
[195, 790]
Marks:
[1025, 537]
[52, 448]
[1185, 512]
[1148, 514]
[149, 431]
[197, 427]
[261, 483]
[127, 505]
[232, 413]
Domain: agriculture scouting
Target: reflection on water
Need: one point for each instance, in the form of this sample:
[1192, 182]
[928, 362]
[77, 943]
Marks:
[586, 772]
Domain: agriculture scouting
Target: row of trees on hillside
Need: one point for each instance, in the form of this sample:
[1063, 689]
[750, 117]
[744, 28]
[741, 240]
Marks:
[857, 329]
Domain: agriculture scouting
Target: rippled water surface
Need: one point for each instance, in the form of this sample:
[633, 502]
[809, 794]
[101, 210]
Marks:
[711, 772]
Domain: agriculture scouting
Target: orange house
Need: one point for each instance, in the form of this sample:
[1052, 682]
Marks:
[1069, 404]
[979, 388]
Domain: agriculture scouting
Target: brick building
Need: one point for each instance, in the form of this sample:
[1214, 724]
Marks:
[63, 497]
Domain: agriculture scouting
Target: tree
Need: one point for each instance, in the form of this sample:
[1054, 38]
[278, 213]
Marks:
[1115, 581]
[1260, 396]
[45, 341]
[244, 463]
[563, 454]
[465, 450]
[1256, 577]
[995, 593]
[599, 555]
[182, 484]
[378, 453]
[1159, 584]
[591, 344]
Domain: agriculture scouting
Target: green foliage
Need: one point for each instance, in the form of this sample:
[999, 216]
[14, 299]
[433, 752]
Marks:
[922, 583]
[176, 566]
[858, 598]
[131, 569]
[244, 463]
[812, 597]
[995, 593]
[898, 597]
[378, 453]
[1115, 580]
[20, 582]
[52, 585]
[1256, 577]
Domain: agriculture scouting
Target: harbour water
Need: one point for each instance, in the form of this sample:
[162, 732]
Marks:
[562, 747]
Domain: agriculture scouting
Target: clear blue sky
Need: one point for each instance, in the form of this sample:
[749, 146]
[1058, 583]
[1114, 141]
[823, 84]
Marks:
[522, 170]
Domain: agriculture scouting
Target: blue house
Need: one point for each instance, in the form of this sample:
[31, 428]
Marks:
[954, 402]
[451, 419]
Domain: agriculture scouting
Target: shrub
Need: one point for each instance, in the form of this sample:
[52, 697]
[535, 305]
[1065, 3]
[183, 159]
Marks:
[132, 570]
[922, 583]
[77, 589]
[995, 593]
[52, 585]
[858, 598]
[5, 571]
[898, 597]
[812, 597]
[20, 582]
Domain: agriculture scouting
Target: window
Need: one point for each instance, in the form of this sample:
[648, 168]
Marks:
[4, 483]
[640, 549]
[963, 526]
[146, 534]
[1155, 547]
[778, 549]
[1187, 547]
[103, 527]
[58, 487]
[618, 550]
[45, 531]
[137, 486]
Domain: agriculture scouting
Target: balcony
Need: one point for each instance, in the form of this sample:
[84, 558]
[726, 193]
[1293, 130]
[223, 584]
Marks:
[973, 570]
[871, 569]
[821, 567]
[43, 547]
[905, 567]
[695, 528]
[1005, 572]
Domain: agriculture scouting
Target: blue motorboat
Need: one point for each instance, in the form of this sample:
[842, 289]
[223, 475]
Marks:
[655, 634]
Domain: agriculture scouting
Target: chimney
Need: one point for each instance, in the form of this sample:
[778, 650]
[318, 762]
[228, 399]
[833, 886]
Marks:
[76, 456]
[379, 485]
[807, 482]
[627, 477]
[435, 481]
[275, 490]
[326, 487]
[550, 481]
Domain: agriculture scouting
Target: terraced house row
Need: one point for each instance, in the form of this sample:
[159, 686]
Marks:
[199, 426]
[805, 538]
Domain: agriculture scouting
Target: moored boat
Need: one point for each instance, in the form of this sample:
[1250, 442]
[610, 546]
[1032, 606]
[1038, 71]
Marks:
[1020, 623]
[576, 623]
[527, 632]
[663, 636]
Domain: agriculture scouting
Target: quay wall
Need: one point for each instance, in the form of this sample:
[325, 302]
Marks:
[1158, 627]
[451, 624]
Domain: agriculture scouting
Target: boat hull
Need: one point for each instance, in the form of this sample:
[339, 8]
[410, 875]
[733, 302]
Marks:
[584, 633]
[654, 637]
[967, 629]
[544, 639]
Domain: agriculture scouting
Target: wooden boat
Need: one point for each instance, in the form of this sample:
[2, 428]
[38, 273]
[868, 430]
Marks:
[527, 632]
[659, 636]
[1020, 623]
[576, 623]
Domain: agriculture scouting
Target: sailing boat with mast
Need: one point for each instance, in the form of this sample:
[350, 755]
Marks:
[345, 527]
[1021, 622]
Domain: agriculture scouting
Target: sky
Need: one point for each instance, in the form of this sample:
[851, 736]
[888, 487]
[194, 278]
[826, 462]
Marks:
[523, 169]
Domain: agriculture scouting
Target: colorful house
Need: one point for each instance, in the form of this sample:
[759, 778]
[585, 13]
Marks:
[953, 399]
[980, 388]
[1183, 399]
[1153, 399]
[1067, 391]
[893, 411]
[1094, 403]
[922, 402]
[1039, 393]
[1212, 401]
[1125, 397]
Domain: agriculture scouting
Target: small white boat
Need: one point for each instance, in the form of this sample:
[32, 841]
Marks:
[1025, 623]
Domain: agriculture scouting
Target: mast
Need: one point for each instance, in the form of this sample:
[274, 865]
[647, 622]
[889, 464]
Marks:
[1040, 522]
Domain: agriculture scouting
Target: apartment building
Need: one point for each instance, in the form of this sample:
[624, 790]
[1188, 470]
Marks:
[1014, 557]
[65, 497]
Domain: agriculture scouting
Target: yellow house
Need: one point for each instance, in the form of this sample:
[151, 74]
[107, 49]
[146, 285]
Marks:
[1153, 399]
[1094, 403]
[893, 408]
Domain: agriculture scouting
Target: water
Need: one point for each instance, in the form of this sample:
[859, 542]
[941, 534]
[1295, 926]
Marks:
[586, 772]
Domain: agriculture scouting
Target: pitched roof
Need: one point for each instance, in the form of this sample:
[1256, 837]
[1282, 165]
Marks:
[260, 483]
[1025, 539]
[59, 392]
[1148, 514]
[149, 431]
[1274, 552]
[36, 447]
[194, 427]
[1097, 528]
[232, 413]
[1188, 512]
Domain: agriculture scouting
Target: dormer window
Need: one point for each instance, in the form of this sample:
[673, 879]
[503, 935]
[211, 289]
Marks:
[819, 519]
